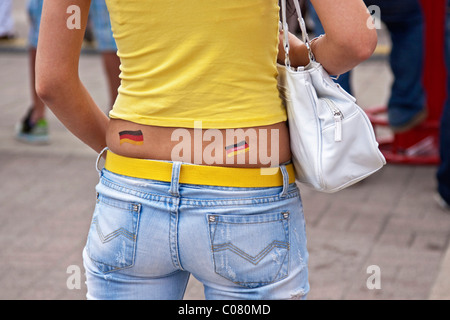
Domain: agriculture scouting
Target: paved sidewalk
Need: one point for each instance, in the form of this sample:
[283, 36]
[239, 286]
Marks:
[47, 196]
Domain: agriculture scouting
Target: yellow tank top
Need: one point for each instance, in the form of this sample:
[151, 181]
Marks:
[201, 60]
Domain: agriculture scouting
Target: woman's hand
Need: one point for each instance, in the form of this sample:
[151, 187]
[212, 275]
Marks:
[298, 54]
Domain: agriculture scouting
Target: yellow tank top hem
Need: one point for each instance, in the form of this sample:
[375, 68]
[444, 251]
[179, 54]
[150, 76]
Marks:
[205, 123]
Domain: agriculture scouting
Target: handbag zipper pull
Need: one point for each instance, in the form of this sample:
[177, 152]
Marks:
[338, 126]
[338, 117]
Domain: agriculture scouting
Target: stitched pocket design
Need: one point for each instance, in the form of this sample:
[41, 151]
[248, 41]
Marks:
[112, 236]
[252, 250]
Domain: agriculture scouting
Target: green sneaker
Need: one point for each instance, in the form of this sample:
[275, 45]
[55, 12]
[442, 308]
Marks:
[33, 133]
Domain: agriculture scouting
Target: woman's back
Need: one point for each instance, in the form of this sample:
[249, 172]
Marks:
[183, 61]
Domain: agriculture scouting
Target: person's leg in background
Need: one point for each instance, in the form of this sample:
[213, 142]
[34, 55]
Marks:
[407, 104]
[6, 20]
[443, 174]
[405, 22]
[111, 65]
[106, 45]
[33, 128]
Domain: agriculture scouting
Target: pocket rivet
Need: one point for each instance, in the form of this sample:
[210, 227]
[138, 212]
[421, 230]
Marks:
[212, 218]
[285, 215]
[135, 207]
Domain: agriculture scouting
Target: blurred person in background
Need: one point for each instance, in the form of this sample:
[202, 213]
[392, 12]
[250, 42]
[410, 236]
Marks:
[443, 174]
[33, 128]
[405, 22]
[6, 20]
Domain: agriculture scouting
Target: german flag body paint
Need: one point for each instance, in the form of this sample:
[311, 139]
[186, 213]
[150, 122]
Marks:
[237, 148]
[134, 137]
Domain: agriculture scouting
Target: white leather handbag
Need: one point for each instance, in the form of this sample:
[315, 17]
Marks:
[332, 140]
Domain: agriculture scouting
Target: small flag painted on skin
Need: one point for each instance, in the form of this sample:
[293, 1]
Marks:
[134, 137]
[237, 148]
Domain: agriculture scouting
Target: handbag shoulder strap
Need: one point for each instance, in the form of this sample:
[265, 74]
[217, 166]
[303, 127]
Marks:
[285, 28]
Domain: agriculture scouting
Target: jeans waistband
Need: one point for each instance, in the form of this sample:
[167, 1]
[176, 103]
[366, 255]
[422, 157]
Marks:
[199, 174]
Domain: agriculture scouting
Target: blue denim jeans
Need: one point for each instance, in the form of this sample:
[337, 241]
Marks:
[98, 13]
[404, 20]
[443, 174]
[147, 237]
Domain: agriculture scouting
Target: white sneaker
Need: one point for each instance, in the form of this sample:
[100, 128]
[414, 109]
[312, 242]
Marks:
[441, 202]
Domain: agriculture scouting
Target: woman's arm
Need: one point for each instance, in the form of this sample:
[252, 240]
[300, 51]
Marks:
[347, 42]
[57, 79]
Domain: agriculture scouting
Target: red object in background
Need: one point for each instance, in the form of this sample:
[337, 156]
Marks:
[420, 145]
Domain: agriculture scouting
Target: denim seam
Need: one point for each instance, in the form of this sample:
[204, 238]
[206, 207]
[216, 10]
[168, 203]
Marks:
[148, 196]
[238, 202]
[173, 236]
[252, 259]
[114, 234]
[261, 282]
[115, 267]
[132, 206]
[264, 252]
[134, 192]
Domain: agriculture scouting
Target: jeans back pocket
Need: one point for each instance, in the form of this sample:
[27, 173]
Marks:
[250, 250]
[112, 236]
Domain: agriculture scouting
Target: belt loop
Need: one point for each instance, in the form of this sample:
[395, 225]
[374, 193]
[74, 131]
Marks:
[175, 180]
[285, 181]
[99, 170]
